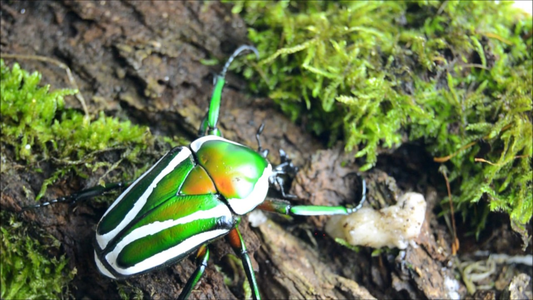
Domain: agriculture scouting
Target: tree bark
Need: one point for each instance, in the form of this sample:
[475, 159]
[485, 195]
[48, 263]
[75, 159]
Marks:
[142, 59]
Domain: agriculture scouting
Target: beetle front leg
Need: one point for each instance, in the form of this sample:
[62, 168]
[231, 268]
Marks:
[286, 208]
[237, 243]
[202, 256]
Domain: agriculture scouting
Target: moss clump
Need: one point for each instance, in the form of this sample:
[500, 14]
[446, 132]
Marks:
[26, 270]
[38, 128]
[127, 291]
[455, 74]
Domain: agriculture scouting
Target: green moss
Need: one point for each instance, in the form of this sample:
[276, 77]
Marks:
[37, 127]
[343, 242]
[26, 270]
[35, 123]
[127, 291]
[232, 269]
[454, 74]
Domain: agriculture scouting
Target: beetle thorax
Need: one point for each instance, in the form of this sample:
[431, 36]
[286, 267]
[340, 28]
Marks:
[239, 173]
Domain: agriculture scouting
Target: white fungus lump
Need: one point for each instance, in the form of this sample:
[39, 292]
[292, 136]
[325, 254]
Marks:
[393, 226]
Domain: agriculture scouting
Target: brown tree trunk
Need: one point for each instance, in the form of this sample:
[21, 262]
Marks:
[143, 59]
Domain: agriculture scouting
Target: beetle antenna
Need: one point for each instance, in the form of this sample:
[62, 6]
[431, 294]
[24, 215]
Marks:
[260, 150]
[235, 54]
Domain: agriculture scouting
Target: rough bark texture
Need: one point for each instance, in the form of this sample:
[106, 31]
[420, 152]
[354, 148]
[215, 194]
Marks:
[142, 59]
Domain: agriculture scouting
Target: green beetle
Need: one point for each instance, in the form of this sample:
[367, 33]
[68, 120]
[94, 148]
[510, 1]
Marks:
[190, 197]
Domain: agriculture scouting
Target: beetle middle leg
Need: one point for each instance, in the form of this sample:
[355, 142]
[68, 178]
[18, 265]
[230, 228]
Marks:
[237, 243]
[202, 257]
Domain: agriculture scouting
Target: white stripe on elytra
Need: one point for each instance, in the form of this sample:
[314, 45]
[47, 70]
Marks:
[104, 239]
[164, 256]
[101, 267]
[129, 188]
[157, 226]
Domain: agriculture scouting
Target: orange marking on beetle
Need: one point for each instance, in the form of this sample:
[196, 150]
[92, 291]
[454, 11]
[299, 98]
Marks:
[234, 239]
[198, 183]
[226, 186]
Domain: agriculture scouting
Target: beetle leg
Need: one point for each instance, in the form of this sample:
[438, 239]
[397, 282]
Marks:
[81, 195]
[202, 256]
[209, 125]
[286, 170]
[237, 243]
[279, 184]
[285, 207]
[235, 54]
[202, 131]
